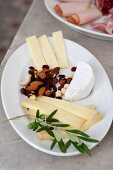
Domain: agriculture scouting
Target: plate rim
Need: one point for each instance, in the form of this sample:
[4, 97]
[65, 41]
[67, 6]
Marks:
[78, 28]
[31, 143]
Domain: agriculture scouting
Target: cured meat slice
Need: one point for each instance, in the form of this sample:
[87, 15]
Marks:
[66, 9]
[84, 16]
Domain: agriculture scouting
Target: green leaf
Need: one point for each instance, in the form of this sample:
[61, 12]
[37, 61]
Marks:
[66, 146]
[53, 144]
[78, 132]
[35, 125]
[86, 149]
[51, 115]
[89, 139]
[80, 148]
[37, 114]
[30, 125]
[61, 144]
[40, 129]
[57, 134]
[60, 125]
[42, 116]
[53, 120]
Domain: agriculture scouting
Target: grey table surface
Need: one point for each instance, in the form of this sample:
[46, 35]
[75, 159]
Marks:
[15, 154]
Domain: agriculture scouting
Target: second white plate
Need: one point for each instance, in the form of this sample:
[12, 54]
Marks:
[86, 29]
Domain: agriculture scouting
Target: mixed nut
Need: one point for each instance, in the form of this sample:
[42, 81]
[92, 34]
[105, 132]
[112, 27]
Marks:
[47, 82]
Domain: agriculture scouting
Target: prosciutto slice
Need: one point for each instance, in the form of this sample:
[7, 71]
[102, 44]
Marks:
[70, 8]
[85, 16]
[104, 27]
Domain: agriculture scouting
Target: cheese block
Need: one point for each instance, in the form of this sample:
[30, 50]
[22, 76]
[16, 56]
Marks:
[60, 49]
[62, 115]
[81, 84]
[90, 123]
[35, 51]
[73, 108]
[48, 52]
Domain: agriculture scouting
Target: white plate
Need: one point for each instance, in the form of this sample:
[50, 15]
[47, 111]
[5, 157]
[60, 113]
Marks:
[16, 69]
[86, 29]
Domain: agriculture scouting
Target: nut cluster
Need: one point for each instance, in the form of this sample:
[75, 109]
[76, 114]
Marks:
[47, 82]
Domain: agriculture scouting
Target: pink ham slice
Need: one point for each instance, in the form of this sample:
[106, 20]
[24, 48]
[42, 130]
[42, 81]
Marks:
[104, 27]
[65, 9]
[84, 17]
[111, 11]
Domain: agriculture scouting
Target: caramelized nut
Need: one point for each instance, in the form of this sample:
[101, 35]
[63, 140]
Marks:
[62, 82]
[34, 85]
[48, 93]
[54, 81]
[41, 91]
[45, 66]
[42, 75]
[60, 87]
[54, 72]
[69, 80]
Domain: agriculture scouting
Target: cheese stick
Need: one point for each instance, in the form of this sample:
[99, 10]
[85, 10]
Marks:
[48, 52]
[90, 123]
[62, 115]
[35, 51]
[60, 49]
[73, 108]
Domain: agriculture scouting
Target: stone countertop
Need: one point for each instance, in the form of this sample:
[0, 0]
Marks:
[15, 154]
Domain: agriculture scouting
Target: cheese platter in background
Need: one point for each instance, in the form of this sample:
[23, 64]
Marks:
[51, 80]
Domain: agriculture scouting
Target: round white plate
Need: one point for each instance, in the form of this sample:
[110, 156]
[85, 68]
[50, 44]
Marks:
[101, 96]
[86, 29]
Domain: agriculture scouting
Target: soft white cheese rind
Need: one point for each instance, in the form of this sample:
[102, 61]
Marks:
[82, 83]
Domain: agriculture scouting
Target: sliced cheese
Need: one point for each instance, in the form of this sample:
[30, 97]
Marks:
[35, 51]
[45, 136]
[90, 123]
[60, 49]
[73, 108]
[48, 52]
[61, 115]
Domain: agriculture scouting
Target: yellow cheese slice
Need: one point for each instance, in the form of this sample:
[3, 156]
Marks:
[60, 49]
[90, 123]
[48, 52]
[45, 136]
[35, 51]
[75, 109]
[62, 115]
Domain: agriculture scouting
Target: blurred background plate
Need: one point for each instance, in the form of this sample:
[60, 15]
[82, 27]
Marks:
[86, 29]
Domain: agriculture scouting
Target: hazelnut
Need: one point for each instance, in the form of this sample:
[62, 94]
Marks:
[58, 93]
[63, 90]
[66, 86]
[62, 82]
[69, 80]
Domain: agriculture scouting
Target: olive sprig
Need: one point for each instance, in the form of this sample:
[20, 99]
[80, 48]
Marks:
[53, 127]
